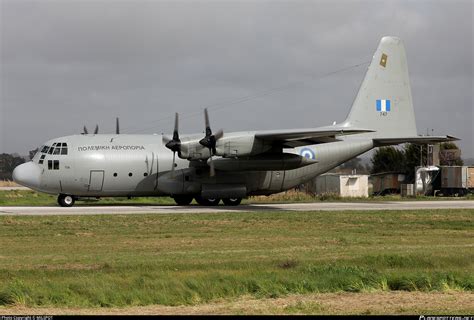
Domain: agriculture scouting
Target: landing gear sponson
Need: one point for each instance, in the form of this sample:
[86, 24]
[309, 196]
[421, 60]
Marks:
[65, 200]
[185, 200]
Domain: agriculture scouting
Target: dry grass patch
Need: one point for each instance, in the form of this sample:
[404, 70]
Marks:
[322, 303]
[8, 183]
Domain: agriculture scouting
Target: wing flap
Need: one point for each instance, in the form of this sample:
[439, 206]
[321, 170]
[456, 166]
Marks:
[417, 140]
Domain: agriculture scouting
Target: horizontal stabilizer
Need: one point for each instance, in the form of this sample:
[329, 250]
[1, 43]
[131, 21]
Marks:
[415, 140]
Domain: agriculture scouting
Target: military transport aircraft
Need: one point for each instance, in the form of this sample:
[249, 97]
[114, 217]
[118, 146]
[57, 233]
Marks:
[230, 166]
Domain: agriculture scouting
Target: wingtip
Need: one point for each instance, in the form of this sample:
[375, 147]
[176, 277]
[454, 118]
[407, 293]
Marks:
[452, 138]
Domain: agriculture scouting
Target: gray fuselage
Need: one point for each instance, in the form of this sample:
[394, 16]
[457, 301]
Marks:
[140, 165]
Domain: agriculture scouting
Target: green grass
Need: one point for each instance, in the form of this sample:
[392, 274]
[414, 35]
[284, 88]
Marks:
[33, 198]
[128, 260]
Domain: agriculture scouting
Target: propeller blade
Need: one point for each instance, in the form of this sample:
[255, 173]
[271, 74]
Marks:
[206, 117]
[166, 139]
[207, 123]
[96, 131]
[212, 171]
[85, 130]
[174, 159]
[219, 134]
[210, 141]
[176, 127]
[117, 126]
[173, 144]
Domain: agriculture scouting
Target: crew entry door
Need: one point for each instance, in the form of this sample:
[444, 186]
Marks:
[96, 180]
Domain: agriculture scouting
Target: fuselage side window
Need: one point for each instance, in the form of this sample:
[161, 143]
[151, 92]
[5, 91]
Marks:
[56, 164]
[50, 164]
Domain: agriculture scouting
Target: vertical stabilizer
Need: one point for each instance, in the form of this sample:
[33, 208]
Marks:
[384, 101]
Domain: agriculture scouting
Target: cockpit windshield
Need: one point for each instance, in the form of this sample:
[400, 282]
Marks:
[58, 148]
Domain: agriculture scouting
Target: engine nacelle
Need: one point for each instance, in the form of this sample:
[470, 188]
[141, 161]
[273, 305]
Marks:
[283, 161]
[228, 146]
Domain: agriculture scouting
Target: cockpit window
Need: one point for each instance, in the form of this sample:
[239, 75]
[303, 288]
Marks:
[58, 148]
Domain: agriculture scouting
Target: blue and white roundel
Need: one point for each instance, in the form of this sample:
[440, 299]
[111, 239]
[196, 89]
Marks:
[307, 153]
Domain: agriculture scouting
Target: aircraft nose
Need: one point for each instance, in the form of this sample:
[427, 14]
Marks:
[27, 174]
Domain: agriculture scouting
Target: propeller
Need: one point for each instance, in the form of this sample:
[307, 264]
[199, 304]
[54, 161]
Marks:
[117, 126]
[210, 140]
[173, 144]
[96, 130]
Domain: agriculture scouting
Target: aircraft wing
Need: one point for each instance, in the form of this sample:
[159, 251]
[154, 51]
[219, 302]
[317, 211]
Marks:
[416, 140]
[291, 138]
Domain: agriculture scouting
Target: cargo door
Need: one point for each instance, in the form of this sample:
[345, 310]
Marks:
[96, 180]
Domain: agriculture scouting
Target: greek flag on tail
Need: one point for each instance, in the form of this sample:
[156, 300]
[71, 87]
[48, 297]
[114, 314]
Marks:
[383, 105]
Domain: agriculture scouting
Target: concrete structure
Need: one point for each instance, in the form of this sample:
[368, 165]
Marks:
[354, 185]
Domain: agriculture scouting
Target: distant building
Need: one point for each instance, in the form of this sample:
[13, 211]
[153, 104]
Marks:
[345, 185]
[386, 182]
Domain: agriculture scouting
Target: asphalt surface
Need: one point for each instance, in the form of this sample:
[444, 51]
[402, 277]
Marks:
[324, 206]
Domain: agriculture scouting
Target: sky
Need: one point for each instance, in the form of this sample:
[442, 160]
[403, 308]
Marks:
[255, 64]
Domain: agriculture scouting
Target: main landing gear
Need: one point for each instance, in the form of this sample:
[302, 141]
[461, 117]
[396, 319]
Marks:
[232, 201]
[65, 200]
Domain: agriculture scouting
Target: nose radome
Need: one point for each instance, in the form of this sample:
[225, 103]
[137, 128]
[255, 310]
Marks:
[27, 174]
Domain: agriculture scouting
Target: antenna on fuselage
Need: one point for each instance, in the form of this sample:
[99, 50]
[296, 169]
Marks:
[117, 126]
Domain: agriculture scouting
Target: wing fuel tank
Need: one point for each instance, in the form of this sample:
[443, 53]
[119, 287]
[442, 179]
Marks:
[284, 161]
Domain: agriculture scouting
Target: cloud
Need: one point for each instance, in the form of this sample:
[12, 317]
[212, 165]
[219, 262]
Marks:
[66, 64]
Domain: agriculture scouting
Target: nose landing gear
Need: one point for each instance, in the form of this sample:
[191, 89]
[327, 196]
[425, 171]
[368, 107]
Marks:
[65, 200]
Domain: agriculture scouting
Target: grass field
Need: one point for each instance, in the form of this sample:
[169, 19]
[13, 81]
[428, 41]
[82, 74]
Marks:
[200, 259]
[33, 198]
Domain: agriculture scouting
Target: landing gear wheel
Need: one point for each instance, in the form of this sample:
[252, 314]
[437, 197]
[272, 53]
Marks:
[65, 200]
[183, 200]
[232, 201]
[207, 202]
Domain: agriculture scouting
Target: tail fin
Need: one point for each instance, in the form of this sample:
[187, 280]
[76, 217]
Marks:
[384, 101]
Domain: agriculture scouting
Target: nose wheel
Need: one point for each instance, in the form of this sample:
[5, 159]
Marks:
[65, 200]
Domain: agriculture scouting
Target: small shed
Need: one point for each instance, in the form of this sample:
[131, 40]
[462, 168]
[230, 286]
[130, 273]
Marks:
[386, 182]
[347, 185]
